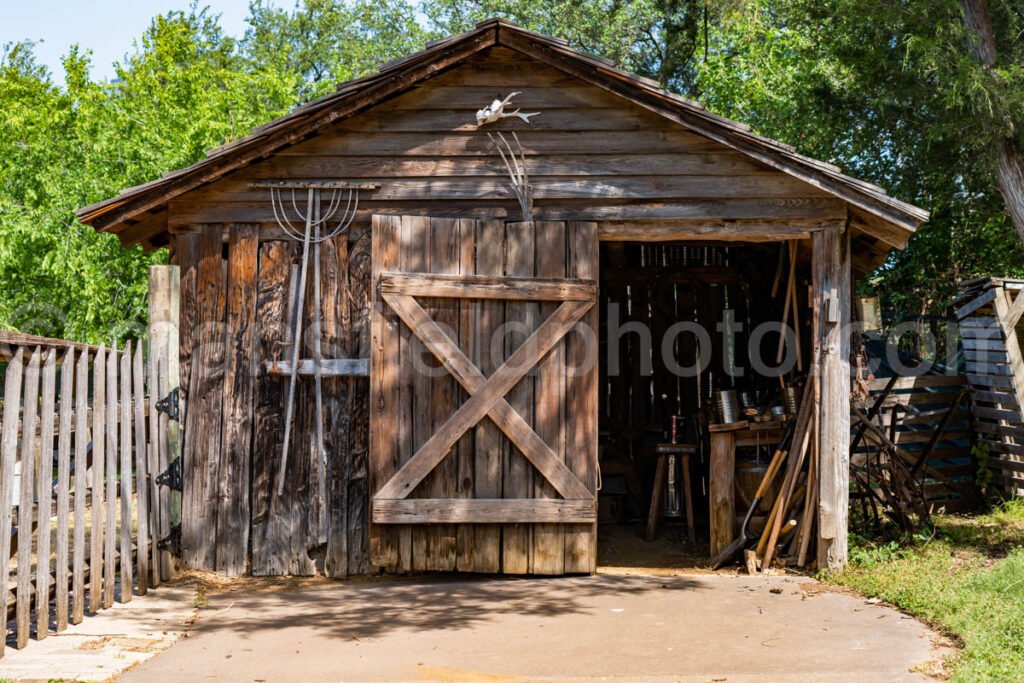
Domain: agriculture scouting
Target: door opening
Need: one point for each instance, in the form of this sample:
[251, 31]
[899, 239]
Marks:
[680, 323]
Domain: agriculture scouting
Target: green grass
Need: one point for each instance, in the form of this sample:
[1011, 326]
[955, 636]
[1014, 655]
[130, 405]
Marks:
[966, 577]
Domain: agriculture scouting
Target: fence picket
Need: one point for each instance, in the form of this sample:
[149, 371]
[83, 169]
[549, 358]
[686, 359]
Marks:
[81, 465]
[29, 423]
[8, 453]
[99, 425]
[125, 559]
[153, 460]
[75, 530]
[67, 377]
[141, 473]
[110, 499]
[44, 495]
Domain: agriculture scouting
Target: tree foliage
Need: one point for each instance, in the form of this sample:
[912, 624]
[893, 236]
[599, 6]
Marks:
[888, 90]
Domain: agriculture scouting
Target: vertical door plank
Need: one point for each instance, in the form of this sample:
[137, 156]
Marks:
[29, 444]
[186, 256]
[44, 494]
[67, 381]
[110, 495]
[8, 462]
[416, 364]
[98, 461]
[467, 313]
[278, 521]
[81, 487]
[581, 398]
[142, 507]
[549, 400]
[125, 418]
[359, 281]
[384, 390]
[443, 246]
[337, 403]
[232, 493]
[205, 407]
[489, 443]
[521, 318]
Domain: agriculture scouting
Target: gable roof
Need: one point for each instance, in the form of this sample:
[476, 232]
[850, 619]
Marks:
[139, 213]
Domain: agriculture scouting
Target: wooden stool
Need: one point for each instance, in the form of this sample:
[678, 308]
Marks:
[662, 451]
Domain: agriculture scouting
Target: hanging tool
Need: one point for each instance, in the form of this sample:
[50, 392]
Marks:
[311, 238]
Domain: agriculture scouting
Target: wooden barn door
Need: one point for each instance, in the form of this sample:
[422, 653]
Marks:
[483, 381]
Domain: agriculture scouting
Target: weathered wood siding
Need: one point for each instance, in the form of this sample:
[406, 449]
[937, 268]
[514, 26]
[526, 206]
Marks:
[592, 156]
[234, 419]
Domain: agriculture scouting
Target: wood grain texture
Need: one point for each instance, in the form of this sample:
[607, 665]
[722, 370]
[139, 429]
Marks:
[81, 486]
[44, 492]
[233, 494]
[125, 473]
[548, 550]
[29, 448]
[551, 512]
[416, 394]
[582, 395]
[205, 408]
[337, 406]
[385, 427]
[96, 526]
[488, 441]
[110, 495]
[13, 378]
[832, 271]
[62, 556]
[140, 454]
[423, 146]
[278, 521]
[522, 317]
[489, 287]
[359, 282]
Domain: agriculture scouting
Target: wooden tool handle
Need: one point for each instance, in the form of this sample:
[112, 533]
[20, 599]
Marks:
[769, 474]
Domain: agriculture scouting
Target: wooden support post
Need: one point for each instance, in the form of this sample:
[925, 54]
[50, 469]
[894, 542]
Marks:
[164, 311]
[722, 514]
[832, 286]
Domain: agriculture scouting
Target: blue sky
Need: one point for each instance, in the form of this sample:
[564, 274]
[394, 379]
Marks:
[106, 27]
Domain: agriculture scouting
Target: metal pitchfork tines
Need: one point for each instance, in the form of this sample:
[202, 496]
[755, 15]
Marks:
[310, 236]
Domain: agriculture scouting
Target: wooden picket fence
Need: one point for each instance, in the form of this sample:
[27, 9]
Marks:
[81, 445]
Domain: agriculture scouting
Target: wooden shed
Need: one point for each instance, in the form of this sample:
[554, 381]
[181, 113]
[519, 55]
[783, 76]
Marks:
[441, 440]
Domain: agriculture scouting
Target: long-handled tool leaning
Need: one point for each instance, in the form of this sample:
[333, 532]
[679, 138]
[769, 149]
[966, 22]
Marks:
[744, 536]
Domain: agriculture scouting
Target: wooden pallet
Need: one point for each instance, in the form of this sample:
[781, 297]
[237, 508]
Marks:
[989, 311]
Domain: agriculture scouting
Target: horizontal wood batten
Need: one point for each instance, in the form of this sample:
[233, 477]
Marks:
[489, 287]
[483, 511]
[329, 367]
[545, 187]
[807, 212]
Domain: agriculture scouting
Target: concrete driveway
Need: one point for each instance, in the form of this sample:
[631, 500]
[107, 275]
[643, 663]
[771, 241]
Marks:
[640, 628]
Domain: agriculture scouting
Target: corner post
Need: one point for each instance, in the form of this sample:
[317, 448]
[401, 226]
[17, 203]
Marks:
[831, 254]
[164, 313]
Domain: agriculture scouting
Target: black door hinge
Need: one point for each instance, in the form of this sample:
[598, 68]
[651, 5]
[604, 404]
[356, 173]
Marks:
[172, 541]
[171, 478]
[169, 405]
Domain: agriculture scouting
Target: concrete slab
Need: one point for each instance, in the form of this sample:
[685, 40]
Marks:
[626, 627]
[107, 643]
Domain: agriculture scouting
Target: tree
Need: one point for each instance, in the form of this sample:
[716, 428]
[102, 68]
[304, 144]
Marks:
[325, 42]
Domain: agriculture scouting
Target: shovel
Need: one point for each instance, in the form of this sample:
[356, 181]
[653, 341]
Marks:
[744, 537]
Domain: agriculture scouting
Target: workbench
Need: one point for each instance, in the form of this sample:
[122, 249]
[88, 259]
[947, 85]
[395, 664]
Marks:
[725, 439]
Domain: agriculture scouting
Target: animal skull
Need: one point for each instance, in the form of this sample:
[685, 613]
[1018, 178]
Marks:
[495, 111]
